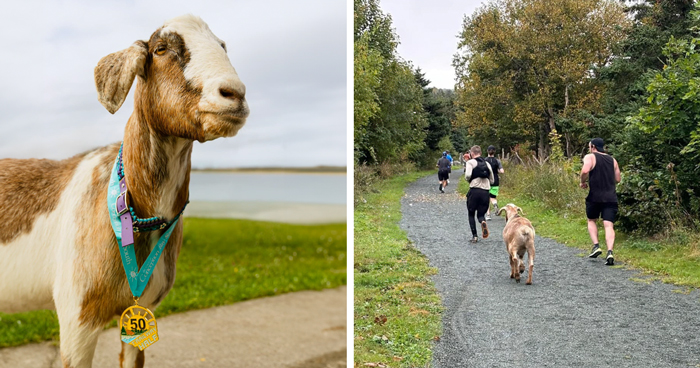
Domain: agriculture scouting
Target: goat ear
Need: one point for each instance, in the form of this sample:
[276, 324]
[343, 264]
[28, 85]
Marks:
[500, 211]
[521, 211]
[115, 74]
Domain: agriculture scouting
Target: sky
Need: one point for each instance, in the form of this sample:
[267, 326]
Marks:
[428, 33]
[291, 55]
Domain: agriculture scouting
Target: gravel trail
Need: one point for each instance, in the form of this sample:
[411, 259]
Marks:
[577, 313]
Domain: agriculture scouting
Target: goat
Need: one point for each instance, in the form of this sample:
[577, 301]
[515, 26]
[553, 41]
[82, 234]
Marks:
[57, 247]
[519, 236]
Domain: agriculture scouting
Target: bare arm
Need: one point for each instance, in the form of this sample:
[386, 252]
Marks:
[586, 169]
[618, 177]
[491, 178]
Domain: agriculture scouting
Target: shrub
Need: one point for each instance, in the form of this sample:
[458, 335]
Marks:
[555, 184]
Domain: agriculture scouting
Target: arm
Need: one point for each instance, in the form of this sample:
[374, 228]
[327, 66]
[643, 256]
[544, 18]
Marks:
[500, 167]
[467, 171]
[586, 169]
[491, 178]
[618, 177]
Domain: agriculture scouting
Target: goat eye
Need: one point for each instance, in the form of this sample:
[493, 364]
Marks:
[160, 50]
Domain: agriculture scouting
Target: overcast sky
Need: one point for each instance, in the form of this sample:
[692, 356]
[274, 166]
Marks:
[428, 34]
[291, 55]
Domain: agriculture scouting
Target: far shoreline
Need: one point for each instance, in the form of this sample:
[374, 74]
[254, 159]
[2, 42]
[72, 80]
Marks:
[336, 170]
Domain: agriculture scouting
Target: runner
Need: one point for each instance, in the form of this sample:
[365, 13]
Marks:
[480, 176]
[602, 173]
[497, 168]
[444, 166]
[451, 162]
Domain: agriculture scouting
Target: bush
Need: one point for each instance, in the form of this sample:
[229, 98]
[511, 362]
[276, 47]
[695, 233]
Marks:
[555, 184]
[365, 176]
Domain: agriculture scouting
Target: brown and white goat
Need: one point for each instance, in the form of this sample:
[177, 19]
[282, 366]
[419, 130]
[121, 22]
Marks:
[57, 248]
[519, 236]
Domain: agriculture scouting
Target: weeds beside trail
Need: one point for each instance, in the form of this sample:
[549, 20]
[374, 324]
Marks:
[551, 198]
[397, 308]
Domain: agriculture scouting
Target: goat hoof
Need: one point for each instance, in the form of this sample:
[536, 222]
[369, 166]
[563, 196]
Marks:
[517, 280]
[528, 283]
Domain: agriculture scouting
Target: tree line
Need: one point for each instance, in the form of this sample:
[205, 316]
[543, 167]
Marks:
[543, 75]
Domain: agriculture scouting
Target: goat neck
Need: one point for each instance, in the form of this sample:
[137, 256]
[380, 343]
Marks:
[157, 168]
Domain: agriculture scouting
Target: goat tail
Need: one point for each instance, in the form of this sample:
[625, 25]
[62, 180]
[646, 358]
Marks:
[528, 232]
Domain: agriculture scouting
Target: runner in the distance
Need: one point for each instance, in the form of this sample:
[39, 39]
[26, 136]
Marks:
[444, 166]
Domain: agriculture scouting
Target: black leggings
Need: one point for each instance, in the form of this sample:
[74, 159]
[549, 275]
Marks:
[477, 202]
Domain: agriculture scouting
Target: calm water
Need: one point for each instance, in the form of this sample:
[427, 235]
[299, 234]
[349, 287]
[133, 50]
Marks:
[281, 187]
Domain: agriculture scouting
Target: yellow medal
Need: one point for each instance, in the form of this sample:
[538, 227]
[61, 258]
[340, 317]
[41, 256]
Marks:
[138, 327]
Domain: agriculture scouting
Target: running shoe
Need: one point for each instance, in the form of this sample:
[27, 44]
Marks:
[488, 217]
[610, 260]
[595, 252]
[484, 230]
[475, 239]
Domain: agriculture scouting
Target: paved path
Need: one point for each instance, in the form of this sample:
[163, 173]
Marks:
[303, 329]
[577, 313]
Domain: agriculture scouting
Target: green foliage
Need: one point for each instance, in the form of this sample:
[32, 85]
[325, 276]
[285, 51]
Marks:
[526, 68]
[555, 184]
[368, 65]
[661, 144]
[389, 122]
[397, 310]
[445, 144]
[225, 261]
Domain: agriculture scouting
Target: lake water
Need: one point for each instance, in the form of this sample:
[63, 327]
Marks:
[272, 187]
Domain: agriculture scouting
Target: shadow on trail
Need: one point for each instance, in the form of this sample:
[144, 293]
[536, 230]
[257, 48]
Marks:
[577, 313]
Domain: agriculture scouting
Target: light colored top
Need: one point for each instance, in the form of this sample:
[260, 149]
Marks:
[481, 183]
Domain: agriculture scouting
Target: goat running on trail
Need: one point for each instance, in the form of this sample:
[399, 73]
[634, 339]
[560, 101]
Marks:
[57, 247]
[519, 236]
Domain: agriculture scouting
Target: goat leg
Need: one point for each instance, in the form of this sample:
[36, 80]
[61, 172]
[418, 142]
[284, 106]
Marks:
[516, 267]
[131, 357]
[531, 260]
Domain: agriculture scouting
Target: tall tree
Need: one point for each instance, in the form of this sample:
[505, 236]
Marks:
[527, 67]
[389, 119]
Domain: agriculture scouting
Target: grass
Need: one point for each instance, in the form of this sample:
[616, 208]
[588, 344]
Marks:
[557, 211]
[397, 309]
[226, 261]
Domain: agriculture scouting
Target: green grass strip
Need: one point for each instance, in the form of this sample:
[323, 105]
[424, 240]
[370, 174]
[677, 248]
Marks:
[226, 261]
[397, 309]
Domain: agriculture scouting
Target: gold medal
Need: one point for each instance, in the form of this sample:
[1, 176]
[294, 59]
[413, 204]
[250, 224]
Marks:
[138, 327]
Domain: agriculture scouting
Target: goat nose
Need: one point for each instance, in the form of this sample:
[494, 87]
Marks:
[231, 93]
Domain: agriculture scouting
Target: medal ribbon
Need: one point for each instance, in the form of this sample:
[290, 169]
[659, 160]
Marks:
[137, 279]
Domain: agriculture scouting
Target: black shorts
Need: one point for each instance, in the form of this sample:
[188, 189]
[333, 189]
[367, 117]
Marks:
[443, 175]
[595, 210]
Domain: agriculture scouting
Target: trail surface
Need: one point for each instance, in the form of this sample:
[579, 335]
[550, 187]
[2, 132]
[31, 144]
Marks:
[303, 329]
[577, 313]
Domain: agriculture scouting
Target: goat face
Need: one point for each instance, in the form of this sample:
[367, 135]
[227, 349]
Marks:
[187, 86]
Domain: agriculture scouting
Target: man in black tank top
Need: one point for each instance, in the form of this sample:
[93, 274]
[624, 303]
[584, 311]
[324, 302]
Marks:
[602, 173]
